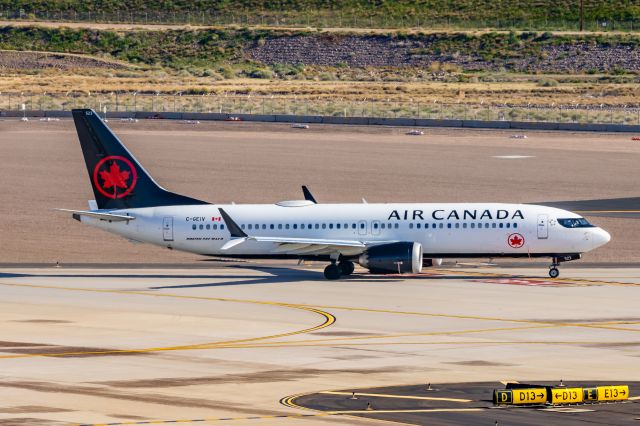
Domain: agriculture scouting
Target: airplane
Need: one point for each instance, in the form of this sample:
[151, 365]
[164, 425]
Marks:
[393, 238]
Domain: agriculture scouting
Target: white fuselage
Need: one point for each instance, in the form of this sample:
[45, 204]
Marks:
[444, 230]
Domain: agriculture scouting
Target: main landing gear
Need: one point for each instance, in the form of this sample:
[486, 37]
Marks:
[335, 270]
[554, 272]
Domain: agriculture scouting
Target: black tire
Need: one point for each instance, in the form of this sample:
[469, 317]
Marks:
[554, 273]
[346, 267]
[332, 272]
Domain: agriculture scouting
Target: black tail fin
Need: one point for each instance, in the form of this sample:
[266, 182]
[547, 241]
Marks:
[118, 180]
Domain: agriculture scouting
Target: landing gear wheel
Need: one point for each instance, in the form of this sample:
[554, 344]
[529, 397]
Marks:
[346, 267]
[332, 272]
[554, 272]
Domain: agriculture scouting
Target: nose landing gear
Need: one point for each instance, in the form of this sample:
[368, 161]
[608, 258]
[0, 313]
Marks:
[554, 272]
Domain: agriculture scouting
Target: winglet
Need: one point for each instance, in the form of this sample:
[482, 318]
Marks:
[233, 227]
[307, 195]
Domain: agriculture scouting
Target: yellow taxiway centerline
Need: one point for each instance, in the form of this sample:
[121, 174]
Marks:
[318, 309]
[380, 395]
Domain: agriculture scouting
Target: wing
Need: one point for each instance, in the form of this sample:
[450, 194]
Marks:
[296, 246]
[305, 246]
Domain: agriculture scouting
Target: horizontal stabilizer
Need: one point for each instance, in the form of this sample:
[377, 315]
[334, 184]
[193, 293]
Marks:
[111, 217]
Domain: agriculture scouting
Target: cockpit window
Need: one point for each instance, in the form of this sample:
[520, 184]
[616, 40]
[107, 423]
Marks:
[575, 223]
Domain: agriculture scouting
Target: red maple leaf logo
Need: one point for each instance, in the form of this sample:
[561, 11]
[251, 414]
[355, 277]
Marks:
[516, 240]
[112, 179]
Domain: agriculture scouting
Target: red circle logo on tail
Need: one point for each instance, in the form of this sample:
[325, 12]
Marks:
[115, 176]
[515, 240]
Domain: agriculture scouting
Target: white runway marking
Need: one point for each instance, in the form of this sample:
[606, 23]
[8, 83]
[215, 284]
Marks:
[513, 157]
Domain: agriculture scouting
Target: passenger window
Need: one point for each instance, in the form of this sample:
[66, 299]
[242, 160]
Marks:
[208, 226]
[249, 226]
[493, 225]
[264, 226]
[362, 226]
[193, 226]
[214, 226]
[324, 226]
[486, 226]
[418, 225]
[440, 226]
[286, 226]
[464, 225]
[449, 225]
[310, 226]
[201, 226]
[508, 225]
[473, 225]
[302, 226]
[331, 226]
[337, 225]
[515, 225]
[346, 226]
[397, 225]
[375, 226]
[317, 226]
[242, 226]
[271, 226]
[382, 225]
[353, 226]
[221, 226]
[411, 226]
[501, 225]
[457, 225]
[295, 226]
[279, 226]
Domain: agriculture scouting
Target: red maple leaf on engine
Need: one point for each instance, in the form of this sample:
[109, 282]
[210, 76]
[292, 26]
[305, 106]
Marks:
[114, 178]
[516, 241]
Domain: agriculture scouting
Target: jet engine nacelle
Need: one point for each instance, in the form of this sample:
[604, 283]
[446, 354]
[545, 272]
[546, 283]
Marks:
[392, 258]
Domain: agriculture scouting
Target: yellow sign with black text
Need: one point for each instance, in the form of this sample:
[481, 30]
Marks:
[520, 396]
[529, 396]
[567, 396]
[613, 393]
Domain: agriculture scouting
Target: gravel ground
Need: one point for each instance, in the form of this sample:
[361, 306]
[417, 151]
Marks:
[42, 60]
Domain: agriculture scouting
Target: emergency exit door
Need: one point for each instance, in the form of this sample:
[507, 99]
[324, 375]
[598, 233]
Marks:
[543, 226]
[167, 228]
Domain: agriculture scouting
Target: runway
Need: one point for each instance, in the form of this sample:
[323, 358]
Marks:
[227, 344]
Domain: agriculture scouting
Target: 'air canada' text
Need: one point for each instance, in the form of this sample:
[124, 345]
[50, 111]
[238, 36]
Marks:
[457, 215]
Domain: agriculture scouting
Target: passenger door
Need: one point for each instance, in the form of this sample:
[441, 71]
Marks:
[167, 228]
[543, 226]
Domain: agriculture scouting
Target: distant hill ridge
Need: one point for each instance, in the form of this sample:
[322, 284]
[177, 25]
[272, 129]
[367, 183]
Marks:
[459, 9]
[273, 53]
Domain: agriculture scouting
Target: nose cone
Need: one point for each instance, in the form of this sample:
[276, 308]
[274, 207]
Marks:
[600, 237]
